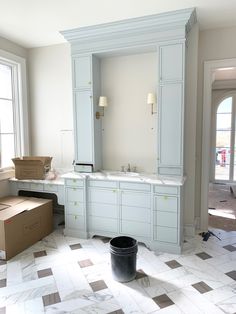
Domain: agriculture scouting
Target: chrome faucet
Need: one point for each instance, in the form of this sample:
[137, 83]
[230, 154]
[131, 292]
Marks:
[128, 168]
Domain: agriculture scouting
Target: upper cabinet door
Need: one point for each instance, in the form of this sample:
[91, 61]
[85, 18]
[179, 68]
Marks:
[171, 62]
[84, 127]
[82, 72]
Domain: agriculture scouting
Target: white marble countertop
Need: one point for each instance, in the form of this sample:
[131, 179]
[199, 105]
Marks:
[127, 176]
[57, 181]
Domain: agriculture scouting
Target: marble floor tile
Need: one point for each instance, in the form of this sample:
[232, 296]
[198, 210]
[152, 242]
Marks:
[69, 275]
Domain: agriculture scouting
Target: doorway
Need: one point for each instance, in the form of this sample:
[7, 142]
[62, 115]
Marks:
[210, 68]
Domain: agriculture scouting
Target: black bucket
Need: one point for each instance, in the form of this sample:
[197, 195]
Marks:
[123, 258]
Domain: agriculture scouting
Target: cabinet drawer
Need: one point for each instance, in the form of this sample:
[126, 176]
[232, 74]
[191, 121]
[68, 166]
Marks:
[36, 186]
[74, 195]
[136, 199]
[102, 224]
[135, 186]
[134, 228]
[76, 208]
[136, 214]
[74, 221]
[166, 203]
[50, 187]
[23, 185]
[74, 182]
[102, 196]
[165, 234]
[103, 210]
[166, 189]
[165, 219]
[103, 184]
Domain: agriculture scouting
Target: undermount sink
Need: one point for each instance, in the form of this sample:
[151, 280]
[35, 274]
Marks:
[122, 173]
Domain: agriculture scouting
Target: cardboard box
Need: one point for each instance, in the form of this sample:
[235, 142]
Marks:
[23, 224]
[32, 167]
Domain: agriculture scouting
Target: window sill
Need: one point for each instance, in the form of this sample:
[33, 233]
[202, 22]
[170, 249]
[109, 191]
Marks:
[7, 174]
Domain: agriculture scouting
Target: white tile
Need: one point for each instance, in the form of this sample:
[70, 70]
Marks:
[228, 306]
[14, 273]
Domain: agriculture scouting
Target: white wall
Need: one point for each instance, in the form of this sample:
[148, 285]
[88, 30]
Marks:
[51, 104]
[129, 129]
[214, 44]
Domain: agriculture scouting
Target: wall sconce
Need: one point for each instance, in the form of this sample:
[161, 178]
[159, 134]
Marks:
[101, 103]
[151, 100]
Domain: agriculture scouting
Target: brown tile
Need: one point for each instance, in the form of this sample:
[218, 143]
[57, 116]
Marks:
[40, 254]
[173, 264]
[45, 272]
[85, 263]
[140, 274]
[116, 312]
[230, 248]
[2, 262]
[232, 274]
[98, 285]
[3, 283]
[2, 310]
[75, 246]
[50, 299]
[203, 255]
[163, 301]
[202, 287]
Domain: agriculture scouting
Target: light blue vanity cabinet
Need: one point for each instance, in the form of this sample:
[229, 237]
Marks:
[171, 108]
[167, 219]
[135, 210]
[103, 209]
[86, 92]
[75, 208]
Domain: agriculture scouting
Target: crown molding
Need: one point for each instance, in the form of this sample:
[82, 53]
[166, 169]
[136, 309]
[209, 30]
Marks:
[140, 31]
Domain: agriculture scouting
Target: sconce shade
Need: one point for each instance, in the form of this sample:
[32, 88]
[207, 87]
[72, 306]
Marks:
[151, 98]
[102, 101]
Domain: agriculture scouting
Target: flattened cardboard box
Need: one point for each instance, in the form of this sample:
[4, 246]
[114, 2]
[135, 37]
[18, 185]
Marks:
[24, 224]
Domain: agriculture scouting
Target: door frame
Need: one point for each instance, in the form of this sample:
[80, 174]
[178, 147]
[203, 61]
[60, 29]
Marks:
[209, 69]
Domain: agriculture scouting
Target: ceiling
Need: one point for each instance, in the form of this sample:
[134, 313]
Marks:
[36, 23]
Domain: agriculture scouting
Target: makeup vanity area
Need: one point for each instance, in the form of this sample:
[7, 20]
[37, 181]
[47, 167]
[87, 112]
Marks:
[110, 203]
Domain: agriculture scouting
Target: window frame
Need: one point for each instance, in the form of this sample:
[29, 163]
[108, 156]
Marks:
[20, 111]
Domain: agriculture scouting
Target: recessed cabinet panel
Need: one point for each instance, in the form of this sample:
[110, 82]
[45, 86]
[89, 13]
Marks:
[102, 224]
[74, 182]
[75, 195]
[135, 199]
[103, 184]
[165, 189]
[74, 221]
[103, 210]
[166, 203]
[82, 72]
[76, 208]
[135, 186]
[36, 186]
[165, 234]
[134, 228]
[84, 126]
[170, 144]
[171, 65]
[102, 196]
[165, 219]
[136, 214]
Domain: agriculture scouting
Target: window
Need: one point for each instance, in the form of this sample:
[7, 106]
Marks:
[225, 140]
[13, 110]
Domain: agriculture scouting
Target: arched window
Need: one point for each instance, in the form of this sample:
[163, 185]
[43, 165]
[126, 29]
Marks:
[225, 168]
